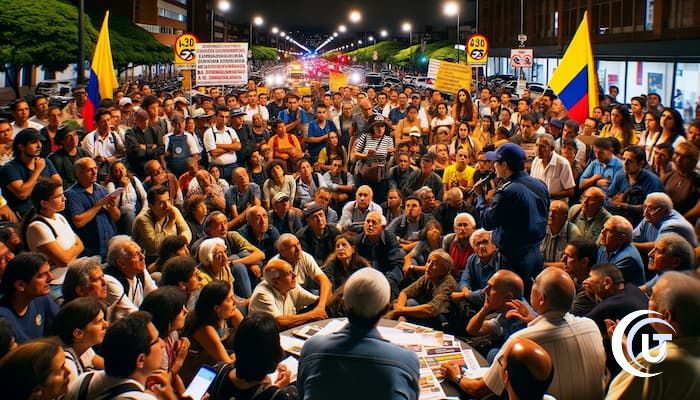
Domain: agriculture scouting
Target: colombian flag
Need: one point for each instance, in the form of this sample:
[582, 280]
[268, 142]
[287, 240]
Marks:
[574, 80]
[102, 79]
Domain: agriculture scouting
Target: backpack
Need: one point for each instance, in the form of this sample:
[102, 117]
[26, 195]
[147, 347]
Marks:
[110, 393]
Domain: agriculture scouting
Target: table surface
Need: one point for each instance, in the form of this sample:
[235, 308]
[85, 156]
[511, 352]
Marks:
[449, 388]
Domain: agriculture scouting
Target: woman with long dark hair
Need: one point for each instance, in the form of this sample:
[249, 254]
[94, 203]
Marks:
[258, 354]
[48, 232]
[621, 127]
[464, 109]
[35, 371]
[672, 131]
[465, 140]
[652, 133]
[333, 148]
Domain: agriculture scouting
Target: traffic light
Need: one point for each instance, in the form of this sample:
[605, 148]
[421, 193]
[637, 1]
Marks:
[423, 59]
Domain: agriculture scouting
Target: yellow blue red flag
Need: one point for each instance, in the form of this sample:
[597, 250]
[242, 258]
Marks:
[102, 80]
[574, 80]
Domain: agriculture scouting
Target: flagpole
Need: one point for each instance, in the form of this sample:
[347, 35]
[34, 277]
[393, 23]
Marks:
[81, 43]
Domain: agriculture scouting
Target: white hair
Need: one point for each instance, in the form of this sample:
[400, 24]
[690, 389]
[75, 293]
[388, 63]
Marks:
[367, 293]
[660, 199]
[205, 253]
[477, 234]
[468, 216]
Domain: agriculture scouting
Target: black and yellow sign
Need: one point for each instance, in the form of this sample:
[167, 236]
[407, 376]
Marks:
[477, 49]
[185, 49]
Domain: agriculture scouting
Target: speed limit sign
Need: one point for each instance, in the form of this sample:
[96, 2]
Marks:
[185, 46]
[477, 49]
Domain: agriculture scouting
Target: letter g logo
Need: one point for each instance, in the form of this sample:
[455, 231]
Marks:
[619, 350]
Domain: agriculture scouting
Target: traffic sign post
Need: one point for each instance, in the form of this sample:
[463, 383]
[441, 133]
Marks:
[477, 49]
[186, 51]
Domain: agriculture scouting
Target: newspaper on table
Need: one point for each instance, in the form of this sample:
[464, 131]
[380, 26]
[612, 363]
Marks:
[291, 344]
[428, 384]
[436, 356]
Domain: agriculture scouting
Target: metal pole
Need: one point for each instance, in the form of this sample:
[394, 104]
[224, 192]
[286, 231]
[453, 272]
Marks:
[211, 39]
[250, 39]
[477, 16]
[81, 43]
[457, 37]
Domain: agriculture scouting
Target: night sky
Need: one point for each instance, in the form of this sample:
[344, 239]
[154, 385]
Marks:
[314, 16]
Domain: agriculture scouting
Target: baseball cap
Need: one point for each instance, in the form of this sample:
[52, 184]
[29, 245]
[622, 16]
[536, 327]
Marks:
[414, 131]
[557, 123]
[199, 113]
[237, 112]
[312, 209]
[280, 196]
[180, 99]
[511, 154]
[124, 101]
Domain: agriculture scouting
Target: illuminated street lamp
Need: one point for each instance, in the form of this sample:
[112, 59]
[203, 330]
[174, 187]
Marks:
[407, 27]
[450, 9]
[257, 21]
[355, 16]
[223, 6]
[383, 33]
[342, 29]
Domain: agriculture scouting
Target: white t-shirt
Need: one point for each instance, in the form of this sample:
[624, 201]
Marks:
[39, 234]
[30, 124]
[250, 111]
[306, 269]
[211, 139]
[95, 145]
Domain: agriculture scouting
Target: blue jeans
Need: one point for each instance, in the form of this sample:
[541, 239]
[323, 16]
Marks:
[241, 285]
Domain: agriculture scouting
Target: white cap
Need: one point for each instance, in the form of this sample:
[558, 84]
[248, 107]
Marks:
[124, 101]
[366, 293]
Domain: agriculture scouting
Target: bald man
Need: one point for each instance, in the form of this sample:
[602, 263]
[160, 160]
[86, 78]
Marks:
[527, 370]
[590, 216]
[355, 212]
[280, 296]
[559, 232]
[574, 344]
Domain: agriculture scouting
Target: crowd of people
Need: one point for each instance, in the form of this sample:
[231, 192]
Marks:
[163, 233]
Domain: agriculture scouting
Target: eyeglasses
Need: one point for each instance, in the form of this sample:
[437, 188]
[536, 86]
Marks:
[155, 341]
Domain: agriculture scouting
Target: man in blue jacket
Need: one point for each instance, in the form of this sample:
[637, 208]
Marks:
[356, 362]
[516, 213]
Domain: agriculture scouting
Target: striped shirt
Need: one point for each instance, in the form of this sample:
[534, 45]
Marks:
[368, 142]
[575, 346]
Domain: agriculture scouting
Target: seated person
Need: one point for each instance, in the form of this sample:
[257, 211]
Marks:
[381, 249]
[675, 298]
[340, 182]
[408, 226]
[429, 240]
[259, 232]
[448, 210]
[34, 370]
[426, 300]
[559, 232]
[354, 212]
[492, 319]
[574, 344]
[660, 218]
[85, 278]
[25, 296]
[282, 216]
[458, 244]
[209, 328]
[340, 265]
[308, 275]
[615, 300]
[616, 248]
[258, 353]
[317, 237]
[161, 220]
[425, 176]
[247, 258]
[480, 268]
[579, 256]
[132, 352]
[280, 296]
[626, 193]
[589, 216]
[671, 252]
[127, 280]
[206, 184]
[386, 370]
[240, 197]
[182, 271]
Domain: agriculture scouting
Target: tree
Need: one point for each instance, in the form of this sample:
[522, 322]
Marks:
[39, 33]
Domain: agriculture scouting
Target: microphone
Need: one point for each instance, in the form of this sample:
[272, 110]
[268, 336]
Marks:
[490, 175]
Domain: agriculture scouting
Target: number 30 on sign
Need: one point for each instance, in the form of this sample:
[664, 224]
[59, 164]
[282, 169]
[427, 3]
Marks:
[477, 49]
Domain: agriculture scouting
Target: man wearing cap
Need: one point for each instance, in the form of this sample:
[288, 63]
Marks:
[516, 213]
[127, 109]
[282, 216]
[425, 176]
[19, 175]
[222, 143]
[182, 105]
[358, 351]
[317, 237]
[64, 158]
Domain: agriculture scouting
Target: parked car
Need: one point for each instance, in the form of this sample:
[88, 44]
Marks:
[54, 88]
[424, 82]
[373, 80]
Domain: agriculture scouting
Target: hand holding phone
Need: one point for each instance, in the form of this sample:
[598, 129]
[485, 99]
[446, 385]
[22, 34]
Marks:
[200, 384]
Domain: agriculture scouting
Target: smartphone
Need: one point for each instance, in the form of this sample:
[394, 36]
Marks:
[199, 385]
[117, 192]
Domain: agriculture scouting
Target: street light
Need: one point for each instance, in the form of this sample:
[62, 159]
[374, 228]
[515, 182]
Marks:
[407, 27]
[359, 42]
[450, 9]
[335, 34]
[275, 30]
[383, 33]
[257, 21]
[371, 39]
[355, 16]
[342, 28]
[223, 6]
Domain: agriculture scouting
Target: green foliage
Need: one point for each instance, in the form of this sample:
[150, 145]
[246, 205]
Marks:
[41, 33]
[448, 53]
[264, 53]
[385, 51]
[131, 43]
[414, 54]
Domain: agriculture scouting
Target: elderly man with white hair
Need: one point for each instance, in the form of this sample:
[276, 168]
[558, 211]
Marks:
[356, 362]
[382, 250]
[279, 295]
[616, 248]
[307, 272]
[481, 265]
[552, 169]
[457, 244]
[671, 252]
[128, 282]
[660, 218]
